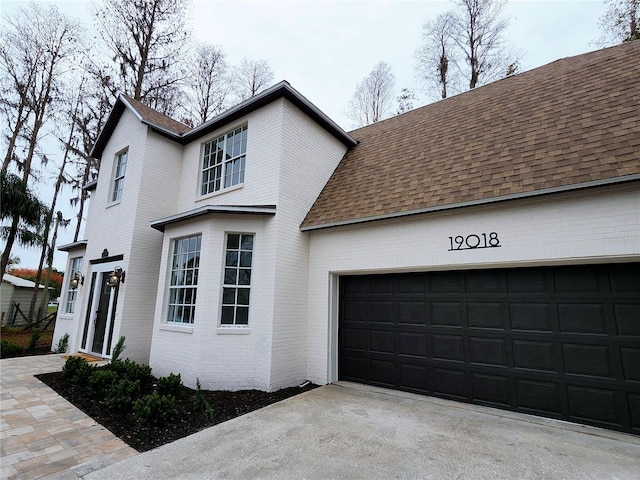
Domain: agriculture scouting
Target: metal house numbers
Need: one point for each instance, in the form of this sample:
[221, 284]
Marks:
[473, 241]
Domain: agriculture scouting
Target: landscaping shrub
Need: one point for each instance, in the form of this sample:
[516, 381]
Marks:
[63, 344]
[100, 382]
[76, 370]
[154, 409]
[9, 349]
[130, 370]
[121, 395]
[170, 385]
[33, 341]
[117, 350]
[201, 404]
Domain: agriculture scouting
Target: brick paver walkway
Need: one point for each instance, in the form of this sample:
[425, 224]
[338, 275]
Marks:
[44, 436]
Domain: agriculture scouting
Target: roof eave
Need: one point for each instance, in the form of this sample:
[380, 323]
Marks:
[72, 246]
[484, 201]
[161, 223]
[282, 89]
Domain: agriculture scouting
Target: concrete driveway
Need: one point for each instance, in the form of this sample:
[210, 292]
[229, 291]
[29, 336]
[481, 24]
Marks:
[348, 431]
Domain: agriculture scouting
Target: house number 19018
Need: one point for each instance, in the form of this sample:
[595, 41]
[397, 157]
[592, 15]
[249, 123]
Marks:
[473, 241]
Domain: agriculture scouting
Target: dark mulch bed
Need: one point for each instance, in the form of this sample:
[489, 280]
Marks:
[226, 405]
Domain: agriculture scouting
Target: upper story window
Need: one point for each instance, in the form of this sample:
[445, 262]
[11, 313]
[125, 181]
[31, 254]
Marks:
[118, 175]
[72, 293]
[185, 264]
[223, 161]
[237, 279]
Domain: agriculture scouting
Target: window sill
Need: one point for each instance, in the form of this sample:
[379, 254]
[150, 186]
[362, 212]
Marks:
[199, 198]
[231, 330]
[113, 204]
[177, 328]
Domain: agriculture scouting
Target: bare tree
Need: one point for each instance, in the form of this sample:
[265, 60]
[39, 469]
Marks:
[621, 22]
[37, 47]
[208, 83]
[436, 57]
[373, 99]
[146, 40]
[479, 33]
[251, 77]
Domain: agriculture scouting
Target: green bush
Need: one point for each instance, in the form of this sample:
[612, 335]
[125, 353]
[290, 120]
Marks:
[170, 385]
[9, 349]
[130, 370]
[121, 395]
[33, 341]
[154, 409]
[63, 344]
[201, 404]
[76, 370]
[100, 382]
[118, 349]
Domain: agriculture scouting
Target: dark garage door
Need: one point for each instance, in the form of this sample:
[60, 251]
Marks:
[561, 342]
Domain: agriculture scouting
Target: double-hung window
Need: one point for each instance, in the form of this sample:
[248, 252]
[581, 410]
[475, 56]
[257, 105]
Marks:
[185, 262]
[72, 293]
[118, 175]
[237, 279]
[223, 161]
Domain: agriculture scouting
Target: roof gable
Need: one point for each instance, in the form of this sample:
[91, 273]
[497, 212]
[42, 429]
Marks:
[573, 122]
[183, 134]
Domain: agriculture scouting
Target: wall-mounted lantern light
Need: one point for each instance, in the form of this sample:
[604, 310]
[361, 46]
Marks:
[76, 280]
[116, 277]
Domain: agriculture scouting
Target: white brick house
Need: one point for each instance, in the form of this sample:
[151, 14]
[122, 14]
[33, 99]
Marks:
[484, 248]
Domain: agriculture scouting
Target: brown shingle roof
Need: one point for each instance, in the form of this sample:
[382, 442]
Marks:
[574, 121]
[153, 117]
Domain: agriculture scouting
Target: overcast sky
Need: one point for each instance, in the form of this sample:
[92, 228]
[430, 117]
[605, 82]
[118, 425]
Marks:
[325, 48]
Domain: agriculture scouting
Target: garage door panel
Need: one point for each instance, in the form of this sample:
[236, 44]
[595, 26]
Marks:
[448, 347]
[485, 315]
[446, 314]
[354, 311]
[381, 341]
[450, 383]
[415, 377]
[539, 396]
[353, 368]
[582, 318]
[382, 371]
[634, 408]
[532, 317]
[556, 341]
[589, 360]
[411, 312]
[596, 404]
[528, 281]
[411, 284]
[533, 355]
[412, 343]
[354, 339]
[492, 389]
[487, 351]
[484, 281]
[624, 279]
[381, 312]
[577, 280]
[627, 317]
[631, 363]
[444, 282]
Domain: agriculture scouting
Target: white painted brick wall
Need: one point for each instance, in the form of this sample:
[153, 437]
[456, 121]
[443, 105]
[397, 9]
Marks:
[309, 157]
[595, 225]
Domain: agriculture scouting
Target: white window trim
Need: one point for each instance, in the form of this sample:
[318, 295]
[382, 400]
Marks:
[222, 189]
[114, 179]
[166, 324]
[227, 328]
[65, 298]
